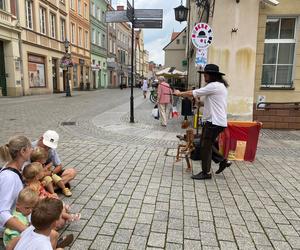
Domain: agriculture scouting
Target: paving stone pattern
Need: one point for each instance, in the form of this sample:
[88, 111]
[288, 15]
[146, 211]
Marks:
[132, 195]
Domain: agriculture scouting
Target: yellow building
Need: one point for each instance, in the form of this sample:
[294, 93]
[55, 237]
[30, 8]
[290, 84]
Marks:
[79, 36]
[256, 44]
[10, 60]
[44, 29]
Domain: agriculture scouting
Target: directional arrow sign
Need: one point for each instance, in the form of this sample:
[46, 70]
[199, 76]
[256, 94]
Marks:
[117, 16]
[144, 24]
[148, 13]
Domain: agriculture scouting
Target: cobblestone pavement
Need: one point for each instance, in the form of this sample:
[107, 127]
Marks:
[131, 194]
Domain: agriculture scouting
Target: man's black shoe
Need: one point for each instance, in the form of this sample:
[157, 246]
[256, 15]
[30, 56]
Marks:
[201, 176]
[224, 164]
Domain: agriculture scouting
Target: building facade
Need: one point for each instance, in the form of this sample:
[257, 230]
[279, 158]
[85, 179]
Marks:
[79, 36]
[175, 54]
[98, 43]
[11, 83]
[44, 30]
[260, 56]
[277, 74]
[123, 43]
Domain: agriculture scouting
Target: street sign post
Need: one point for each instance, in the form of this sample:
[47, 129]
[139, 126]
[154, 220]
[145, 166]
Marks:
[144, 24]
[139, 18]
[148, 13]
[116, 16]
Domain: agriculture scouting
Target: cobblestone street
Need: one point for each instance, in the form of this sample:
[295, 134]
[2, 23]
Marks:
[130, 193]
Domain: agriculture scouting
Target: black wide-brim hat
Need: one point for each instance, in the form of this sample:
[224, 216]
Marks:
[212, 69]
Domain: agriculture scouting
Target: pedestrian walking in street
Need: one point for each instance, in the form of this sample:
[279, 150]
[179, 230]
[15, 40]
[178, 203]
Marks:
[145, 88]
[49, 142]
[214, 117]
[164, 97]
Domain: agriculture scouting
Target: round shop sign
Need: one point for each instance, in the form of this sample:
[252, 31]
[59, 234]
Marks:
[202, 36]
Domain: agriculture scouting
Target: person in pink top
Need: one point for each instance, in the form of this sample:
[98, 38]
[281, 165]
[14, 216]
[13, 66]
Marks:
[164, 96]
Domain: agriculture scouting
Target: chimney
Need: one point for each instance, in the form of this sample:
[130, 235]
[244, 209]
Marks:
[120, 7]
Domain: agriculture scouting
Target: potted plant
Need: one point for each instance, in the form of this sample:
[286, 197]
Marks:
[81, 85]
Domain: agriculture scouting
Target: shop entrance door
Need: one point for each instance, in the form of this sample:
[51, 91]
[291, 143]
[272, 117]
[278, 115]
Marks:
[54, 75]
[2, 70]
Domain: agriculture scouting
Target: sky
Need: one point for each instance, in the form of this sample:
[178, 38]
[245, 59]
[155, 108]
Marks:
[156, 39]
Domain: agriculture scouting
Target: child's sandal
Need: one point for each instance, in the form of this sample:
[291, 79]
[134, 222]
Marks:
[67, 192]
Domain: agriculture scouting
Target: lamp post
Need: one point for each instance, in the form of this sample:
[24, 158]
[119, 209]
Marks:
[67, 45]
[181, 13]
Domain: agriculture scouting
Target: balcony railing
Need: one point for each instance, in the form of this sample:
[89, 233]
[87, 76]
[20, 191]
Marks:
[5, 17]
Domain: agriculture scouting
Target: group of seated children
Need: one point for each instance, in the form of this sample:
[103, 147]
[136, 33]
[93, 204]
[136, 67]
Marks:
[39, 199]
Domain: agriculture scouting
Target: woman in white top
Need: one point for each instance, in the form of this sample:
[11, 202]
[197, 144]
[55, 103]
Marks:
[16, 152]
[214, 117]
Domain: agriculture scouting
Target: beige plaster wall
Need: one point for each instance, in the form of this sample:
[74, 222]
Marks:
[174, 58]
[290, 8]
[235, 52]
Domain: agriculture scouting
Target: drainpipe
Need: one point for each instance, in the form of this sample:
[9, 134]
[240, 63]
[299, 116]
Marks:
[20, 48]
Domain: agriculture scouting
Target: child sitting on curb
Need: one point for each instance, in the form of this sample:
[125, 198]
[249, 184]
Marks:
[33, 173]
[40, 155]
[26, 201]
[44, 218]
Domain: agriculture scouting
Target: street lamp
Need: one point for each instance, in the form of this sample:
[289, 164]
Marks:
[181, 13]
[68, 60]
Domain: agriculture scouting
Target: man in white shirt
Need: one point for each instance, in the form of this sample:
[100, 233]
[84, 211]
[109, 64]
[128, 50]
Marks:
[214, 117]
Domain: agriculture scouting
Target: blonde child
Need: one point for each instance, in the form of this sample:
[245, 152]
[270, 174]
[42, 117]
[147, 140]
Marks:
[40, 155]
[26, 201]
[33, 173]
[44, 218]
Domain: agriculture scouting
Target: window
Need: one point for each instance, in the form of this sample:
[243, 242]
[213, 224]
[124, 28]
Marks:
[114, 47]
[28, 6]
[103, 40]
[98, 14]
[99, 39]
[103, 17]
[62, 29]
[85, 10]
[2, 4]
[36, 71]
[86, 40]
[43, 20]
[52, 25]
[93, 36]
[93, 9]
[72, 4]
[80, 37]
[79, 7]
[184, 39]
[279, 52]
[73, 33]
[177, 41]
[110, 45]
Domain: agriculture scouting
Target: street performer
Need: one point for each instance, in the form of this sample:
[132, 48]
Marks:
[214, 117]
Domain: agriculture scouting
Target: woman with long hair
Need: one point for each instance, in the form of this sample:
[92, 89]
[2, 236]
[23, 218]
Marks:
[15, 153]
[214, 117]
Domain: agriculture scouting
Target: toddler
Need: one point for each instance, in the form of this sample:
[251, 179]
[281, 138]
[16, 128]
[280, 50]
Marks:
[27, 199]
[33, 173]
[40, 155]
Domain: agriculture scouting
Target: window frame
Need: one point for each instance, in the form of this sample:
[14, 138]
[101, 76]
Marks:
[80, 36]
[43, 23]
[278, 42]
[62, 29]
[73, 28]
[53, 25]
[29, 20]
[79, 9]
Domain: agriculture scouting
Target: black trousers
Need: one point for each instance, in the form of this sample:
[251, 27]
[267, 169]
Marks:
[209, 146]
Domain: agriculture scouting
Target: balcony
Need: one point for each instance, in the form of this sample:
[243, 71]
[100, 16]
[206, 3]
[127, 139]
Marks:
[5, 18]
